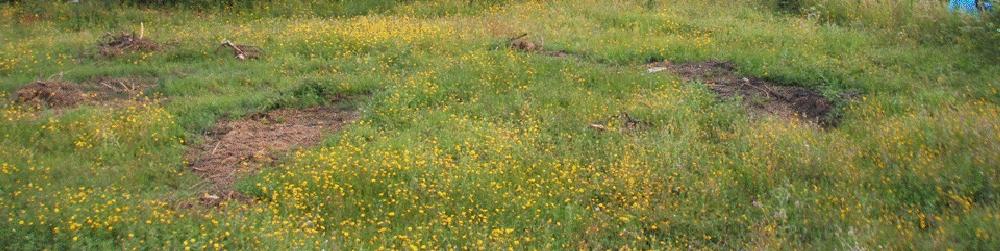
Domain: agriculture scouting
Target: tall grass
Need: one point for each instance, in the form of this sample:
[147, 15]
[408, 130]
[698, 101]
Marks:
[925, 21]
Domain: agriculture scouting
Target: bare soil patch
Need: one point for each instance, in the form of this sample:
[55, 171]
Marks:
[113, 45]
[57, 94]
[759, 95]
[53, 94]
[235, 148]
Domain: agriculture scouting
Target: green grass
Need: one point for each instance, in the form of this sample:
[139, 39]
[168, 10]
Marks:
[463, 145]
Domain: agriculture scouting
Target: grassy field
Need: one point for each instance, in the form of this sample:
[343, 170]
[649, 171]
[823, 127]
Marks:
[464, 143]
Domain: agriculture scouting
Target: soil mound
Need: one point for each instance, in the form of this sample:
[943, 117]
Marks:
[52, 94]
[520, 43]
[759, 95]
[99, 91]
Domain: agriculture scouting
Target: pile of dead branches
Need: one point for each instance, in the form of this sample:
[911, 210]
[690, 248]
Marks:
[130, 87]
[50, 93]
[113, 45]
[242, 51]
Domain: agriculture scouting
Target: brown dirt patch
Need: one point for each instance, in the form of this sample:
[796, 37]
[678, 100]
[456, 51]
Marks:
[759, 95]
[99, 91]
[520, 43]
[235, 148]
[113, 45]
[53, 94]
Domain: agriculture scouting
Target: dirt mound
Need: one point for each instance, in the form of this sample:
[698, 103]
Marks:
[113, 45]
[521, 44]
[236, 147]
[759, 95]
[53, 94]
[99, 91]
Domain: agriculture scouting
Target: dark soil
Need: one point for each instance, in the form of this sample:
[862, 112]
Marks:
[235, 148]
[112, 45]
[759, 95]
[99, 91]
[53, 94]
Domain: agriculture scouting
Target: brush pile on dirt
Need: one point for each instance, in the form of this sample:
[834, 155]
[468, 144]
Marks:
[238, 147]
[521, 44]
[99, 91]
[242, 51]
[758, 95]
[52, 94]
[127, 87]
[113, 45]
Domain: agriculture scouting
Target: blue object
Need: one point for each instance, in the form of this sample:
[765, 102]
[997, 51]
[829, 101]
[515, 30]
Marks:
[988, 6]
[967, 6]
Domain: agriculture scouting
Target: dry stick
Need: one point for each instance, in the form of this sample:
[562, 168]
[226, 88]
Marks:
[766, 92]
[216, 146]
[511, 40]
[237, 49]
[108, 86]
[124, 88]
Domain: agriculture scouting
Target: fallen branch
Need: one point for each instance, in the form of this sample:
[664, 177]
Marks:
[242, 52]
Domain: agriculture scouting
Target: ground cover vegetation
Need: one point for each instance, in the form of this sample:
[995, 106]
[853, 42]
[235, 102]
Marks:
[584, 124]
